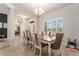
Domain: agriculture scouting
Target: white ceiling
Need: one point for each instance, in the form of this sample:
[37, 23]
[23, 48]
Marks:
[28, 8]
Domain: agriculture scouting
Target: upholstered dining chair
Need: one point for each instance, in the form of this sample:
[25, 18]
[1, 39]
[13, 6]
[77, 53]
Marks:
[57, 44]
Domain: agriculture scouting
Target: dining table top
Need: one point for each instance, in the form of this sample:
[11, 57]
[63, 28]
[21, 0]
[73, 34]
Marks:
[46, 38]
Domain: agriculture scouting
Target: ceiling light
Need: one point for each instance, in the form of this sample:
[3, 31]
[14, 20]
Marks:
[20, 20]
[39, 11]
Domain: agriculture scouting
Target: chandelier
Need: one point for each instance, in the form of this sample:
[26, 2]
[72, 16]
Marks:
[39, 11]
[20, 21]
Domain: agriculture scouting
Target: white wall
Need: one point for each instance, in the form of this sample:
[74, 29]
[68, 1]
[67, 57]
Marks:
[70, 14]
[11, 24]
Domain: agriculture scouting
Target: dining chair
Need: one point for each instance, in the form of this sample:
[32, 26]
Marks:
[57, 44]
[24, 38]
[30, 41]
[27, 38]
[37, 44]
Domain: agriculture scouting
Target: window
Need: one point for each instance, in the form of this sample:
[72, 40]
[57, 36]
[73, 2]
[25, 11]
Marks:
[54, 25]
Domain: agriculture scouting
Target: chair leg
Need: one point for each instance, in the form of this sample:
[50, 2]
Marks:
[40, 49]
[32, 47]
[28, 44]
[53, 53]
[60, 52]
[34, 50]
[40, 52]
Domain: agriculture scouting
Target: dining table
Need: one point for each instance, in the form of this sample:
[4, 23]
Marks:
[47, 40]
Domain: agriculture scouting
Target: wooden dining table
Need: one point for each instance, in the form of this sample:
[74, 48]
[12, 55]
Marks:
[47, 40]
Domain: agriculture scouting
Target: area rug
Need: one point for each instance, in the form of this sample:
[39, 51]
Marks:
[73, 50]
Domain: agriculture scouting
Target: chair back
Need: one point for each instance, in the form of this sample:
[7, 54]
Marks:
[29, 36]
[58, 41]
[36, 39]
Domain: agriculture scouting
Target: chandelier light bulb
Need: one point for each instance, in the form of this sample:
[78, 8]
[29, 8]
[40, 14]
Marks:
[40, 9]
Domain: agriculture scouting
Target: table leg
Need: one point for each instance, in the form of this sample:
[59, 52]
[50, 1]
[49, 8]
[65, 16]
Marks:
[40, 49]
[49, 49]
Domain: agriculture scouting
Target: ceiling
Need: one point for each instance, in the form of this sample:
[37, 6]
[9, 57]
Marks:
[28, 8]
